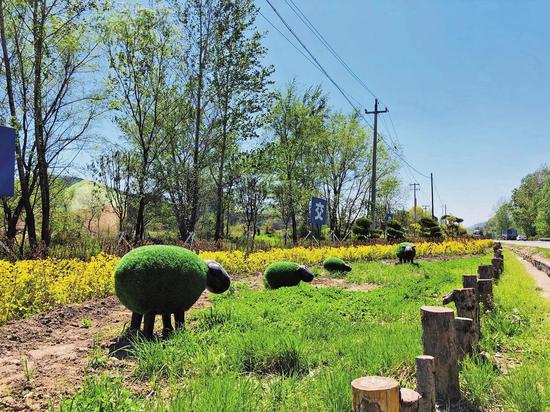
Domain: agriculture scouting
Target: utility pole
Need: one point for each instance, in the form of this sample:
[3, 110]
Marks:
[415, 188]
[375, 112]
[432, 184]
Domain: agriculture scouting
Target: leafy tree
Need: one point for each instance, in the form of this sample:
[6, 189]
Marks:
[296, 121]
[47, 52]
[140, 47]
[542, 222]
[523, 204]
[239, 87]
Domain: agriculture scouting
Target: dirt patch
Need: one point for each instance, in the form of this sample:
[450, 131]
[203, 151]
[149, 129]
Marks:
[43, 359]
[343, 284]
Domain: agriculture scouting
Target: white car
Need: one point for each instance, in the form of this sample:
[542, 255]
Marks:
[522, 237]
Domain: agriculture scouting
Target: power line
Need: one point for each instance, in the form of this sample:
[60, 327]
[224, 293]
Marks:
[311, 55]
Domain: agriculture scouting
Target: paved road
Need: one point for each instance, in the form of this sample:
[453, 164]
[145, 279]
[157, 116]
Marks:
[533, 243]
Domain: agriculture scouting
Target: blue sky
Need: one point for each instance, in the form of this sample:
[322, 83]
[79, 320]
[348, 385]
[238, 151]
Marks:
[467, 84]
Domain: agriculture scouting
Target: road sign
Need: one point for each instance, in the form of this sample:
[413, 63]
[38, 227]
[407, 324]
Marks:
[389, 216]
[318, 211]
[7, 160]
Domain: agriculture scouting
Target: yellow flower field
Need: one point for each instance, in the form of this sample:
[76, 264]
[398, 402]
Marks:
[32, 286]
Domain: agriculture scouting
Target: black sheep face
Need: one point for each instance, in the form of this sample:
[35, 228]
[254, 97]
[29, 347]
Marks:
[305, 273]
[409, 253]
[217, 279]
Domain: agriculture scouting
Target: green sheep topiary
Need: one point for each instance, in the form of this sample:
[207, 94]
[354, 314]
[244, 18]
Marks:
[406, 252]
[281, 274]
[335, 264]
[157, 279]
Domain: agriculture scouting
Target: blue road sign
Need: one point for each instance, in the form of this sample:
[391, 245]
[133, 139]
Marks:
[318, 211]
[7, 160]
[389, 216]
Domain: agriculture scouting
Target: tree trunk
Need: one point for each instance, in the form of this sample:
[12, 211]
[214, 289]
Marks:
[43, 179]
[375, 394]
[219, 193]
[140, 220]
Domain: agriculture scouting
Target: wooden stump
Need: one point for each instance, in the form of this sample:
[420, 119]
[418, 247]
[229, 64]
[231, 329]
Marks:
[486, 271]
[439, 341]
[469, 281]
[498, 253]
[375, 394]
[485, 291]
[497, 246]
[465, 336]
[467, 306]
[498, 266]
[425, 383]
[409, 400]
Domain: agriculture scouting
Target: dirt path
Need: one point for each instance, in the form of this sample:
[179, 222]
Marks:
[541, 278]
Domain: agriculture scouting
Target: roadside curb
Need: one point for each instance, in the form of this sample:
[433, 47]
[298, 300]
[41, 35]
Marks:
[539, 263]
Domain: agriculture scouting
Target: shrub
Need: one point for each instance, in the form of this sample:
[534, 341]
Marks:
[160, 279]
[361, 228]
[335, 264]
[394, 230]
[281, 274]
[429, 228]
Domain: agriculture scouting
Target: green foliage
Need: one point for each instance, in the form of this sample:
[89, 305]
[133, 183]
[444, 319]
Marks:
[542, 222]
[279, 274]
[394, 230]
[524, 205]
[160, 279]
[361, 228]
[429, 228]
[334, 264]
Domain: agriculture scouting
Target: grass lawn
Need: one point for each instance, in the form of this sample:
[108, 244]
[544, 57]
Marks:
[298, 349]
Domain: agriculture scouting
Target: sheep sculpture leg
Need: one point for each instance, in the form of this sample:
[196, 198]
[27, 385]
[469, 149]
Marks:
[135, 323]
[167, 328]
[179, 319]
[148, 325]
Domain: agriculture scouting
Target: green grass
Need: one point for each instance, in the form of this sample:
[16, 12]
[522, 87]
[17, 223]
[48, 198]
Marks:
[298, 349]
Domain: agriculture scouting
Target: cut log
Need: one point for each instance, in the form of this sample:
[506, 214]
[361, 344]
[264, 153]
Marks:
[485, 271]
[497, 246]
[467, 306]
[439, 341]
[469, 281]
[485, 291]
[409, 400]
[375, 393]
[498, 253]
[425, 383]
[498, 266]
[465, 335]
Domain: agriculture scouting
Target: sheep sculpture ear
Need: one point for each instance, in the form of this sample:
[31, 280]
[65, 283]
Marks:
[217, 279]
[305, 274]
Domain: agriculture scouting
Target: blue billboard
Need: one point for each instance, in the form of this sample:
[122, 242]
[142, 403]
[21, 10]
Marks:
[318, 211]
[7, 160]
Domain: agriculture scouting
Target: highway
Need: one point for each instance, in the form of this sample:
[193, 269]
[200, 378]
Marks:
[532, 243]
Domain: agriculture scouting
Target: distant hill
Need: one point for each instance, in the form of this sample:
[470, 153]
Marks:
[478, 225]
